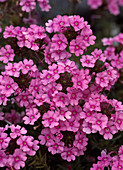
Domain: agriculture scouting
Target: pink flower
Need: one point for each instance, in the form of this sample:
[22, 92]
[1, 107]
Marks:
[28, 66]
[59, 42]
[54, 71]
[39, 32]
[25, 142]
[75, 110]
[61, 99]
[74, 95]
[69, 154]
[77, 46]
[60, 55]
[118, 119]
[18, 159]
[35, 86]
[87, 128]
[39, 99]
[117, 104]
[27, 5]
[79, 82]
[80, 141]
[76, 22]
[113, 7]
[64, 114]
[109, 53]
[6, 54]
[2, 0]
[102, 79]
[99, 55]
[24, 99]
[60, 23]
[12, 69]
[44, 5]
[8, 86]
[4, 140]
[108, 131]
[0, 29]
[33, 148]
[117, 62]
[88, 61]
[9, 32]
[92, 105]
[50, 119]
[67, 67]
[120, 2]
[32, 115]
[17, 131]
[105, 158]
[46, 137]
[46, 77]
[72, 124]
[99, 121]
[117, 165]
[87, 115]
[56, 147]
[95, 3]
[31, 44]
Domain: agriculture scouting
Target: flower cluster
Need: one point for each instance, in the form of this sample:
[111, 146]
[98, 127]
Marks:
[28, 5]
[64, 98]
[114, 51]
[106, 160]
[113, 6]
[22, 144]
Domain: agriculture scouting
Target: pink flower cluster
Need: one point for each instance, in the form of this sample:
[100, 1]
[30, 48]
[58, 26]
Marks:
[25, 37]
[29, 5]
[106, 160]
[113, 5]
[114, 51]
[23, 145]
[64, 99]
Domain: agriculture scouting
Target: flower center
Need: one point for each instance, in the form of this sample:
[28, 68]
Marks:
[17, 158]
[98, 122]
[107, 129]
[7, 54]
[24, 143]
[102, 79]
[32, 117]
[77, 47]
[59, 42]
[76, 23]
[73, 95]
[50, 119]
[61, 23]
[87, 61]
[62, 98]
[8, 86]
[69, 153]
[119, 121]
[27, 66]
[13, 69]
[1, 140]
[27, 3]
